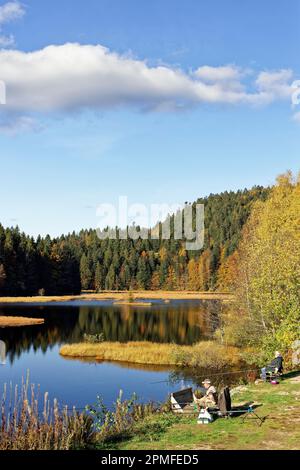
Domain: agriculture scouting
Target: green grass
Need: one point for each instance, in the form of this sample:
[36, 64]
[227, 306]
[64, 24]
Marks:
[280, 430]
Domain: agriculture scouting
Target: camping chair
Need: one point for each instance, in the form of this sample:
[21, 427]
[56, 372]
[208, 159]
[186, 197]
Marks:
[225, 410]
[223, 406]
[272, 374]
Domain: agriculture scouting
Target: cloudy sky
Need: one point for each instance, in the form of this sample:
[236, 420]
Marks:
[160, 101]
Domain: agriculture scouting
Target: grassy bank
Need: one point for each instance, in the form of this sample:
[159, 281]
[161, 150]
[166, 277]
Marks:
[205, 354]
[123, 296]
[279, 405]
[131, 426]
[6, 322]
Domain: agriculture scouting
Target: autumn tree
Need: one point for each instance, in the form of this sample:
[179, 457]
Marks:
[269, 267]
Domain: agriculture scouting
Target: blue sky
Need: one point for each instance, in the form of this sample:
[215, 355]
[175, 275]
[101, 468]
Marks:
[102, 124]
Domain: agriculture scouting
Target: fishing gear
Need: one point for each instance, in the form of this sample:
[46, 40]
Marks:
[211, 375]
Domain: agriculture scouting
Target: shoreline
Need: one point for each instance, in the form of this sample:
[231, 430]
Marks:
[121, 297]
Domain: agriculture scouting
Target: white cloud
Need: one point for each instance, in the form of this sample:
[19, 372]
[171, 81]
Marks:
[277, 84]
[71, 77]
[11, 11]
[217, 74]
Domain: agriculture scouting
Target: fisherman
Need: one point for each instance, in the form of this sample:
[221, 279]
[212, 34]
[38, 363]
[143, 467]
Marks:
[275, 366]
[210, 398]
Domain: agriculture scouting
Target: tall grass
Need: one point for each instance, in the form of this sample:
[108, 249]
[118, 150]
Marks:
[25, 425]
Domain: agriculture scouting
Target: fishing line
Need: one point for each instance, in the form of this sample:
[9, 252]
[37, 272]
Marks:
[203, 376]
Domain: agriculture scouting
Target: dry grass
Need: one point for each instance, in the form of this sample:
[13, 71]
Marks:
[27, 426]
[133, 304]
[205, 354]
[24, 427]
[6, 322]
[123, 296]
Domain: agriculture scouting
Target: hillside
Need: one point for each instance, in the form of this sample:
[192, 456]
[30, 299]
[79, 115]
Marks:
[69, 264]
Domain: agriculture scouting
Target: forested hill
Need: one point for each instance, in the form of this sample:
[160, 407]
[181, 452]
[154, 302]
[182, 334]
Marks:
[70, 263]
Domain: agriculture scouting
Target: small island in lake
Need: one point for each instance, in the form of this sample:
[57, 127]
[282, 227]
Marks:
[6, 322]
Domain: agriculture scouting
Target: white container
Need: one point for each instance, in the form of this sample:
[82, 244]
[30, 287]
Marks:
[205, 417]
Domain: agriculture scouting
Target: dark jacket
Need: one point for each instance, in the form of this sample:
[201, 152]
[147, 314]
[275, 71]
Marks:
[277, 363]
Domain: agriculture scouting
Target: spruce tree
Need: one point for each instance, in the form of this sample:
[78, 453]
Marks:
[99, 285]
[85, 273]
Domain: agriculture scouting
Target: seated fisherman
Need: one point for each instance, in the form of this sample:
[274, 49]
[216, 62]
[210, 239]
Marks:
[275, 366]
[210, 398]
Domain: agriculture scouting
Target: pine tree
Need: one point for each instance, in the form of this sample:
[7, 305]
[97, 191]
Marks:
[2, 278]
[85, 273]
[142, 277]
[110, 279]
[99, 284]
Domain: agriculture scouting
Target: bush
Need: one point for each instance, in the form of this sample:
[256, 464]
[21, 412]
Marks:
[207, 354]
[118, 424]
[93, 339]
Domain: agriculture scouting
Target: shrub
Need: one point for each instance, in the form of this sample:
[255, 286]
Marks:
[117, 424]
[93, 339]
[207, 354]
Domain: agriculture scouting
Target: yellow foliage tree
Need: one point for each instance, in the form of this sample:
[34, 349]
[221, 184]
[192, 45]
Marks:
[228, 272]
[269, 266]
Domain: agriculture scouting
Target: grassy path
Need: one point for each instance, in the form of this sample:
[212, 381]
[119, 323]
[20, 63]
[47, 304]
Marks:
[280, 430]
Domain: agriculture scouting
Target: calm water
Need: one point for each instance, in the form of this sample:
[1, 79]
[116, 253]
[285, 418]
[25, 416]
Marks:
[78, 383]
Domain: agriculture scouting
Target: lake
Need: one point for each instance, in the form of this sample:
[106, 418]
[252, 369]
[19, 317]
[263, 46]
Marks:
[78, 383]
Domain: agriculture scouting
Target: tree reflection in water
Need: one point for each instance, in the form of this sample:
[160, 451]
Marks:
[180, 322]
[2, 353]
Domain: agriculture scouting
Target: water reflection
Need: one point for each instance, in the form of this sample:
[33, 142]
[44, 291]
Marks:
[2, 353]
[77, 383]
[178, 322]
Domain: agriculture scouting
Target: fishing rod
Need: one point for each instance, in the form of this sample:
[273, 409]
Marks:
[211, 375]
[112, 407]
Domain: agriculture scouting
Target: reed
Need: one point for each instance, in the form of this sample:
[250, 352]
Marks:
[25, 425]
[207, 354]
